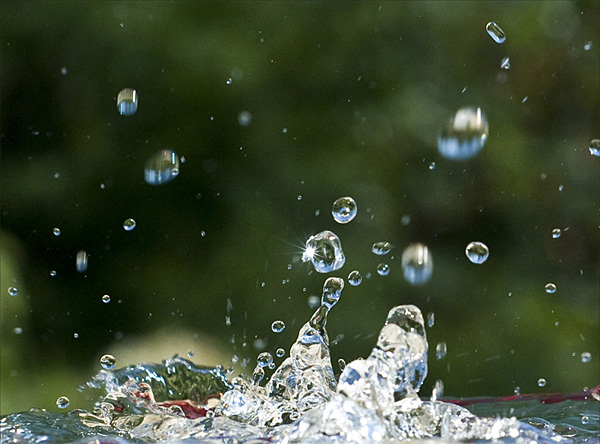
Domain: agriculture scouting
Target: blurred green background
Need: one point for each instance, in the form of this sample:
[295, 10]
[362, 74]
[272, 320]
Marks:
[347, 99]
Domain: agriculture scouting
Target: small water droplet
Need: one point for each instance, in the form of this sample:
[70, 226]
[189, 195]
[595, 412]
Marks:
[127, 101]
[344, 210]
[585, 419]
[588, 46]
[108, 362]
[405, 220]
[517, 390]
[464, 135]
[586, 357]
[190, 353]
[354, 278]
[314, 301]
[430, 319]
[162, 167]
[56, 231]
[56, 175]
[505, 64]
[550, 288]
[53, 273]
[477, 252]
[324, 250]
[62, 402]
[495, 32]
[595, 147]
[264, 359]
[229, 81]
[541, 382]
[299, 196]
[278, 326]
[63, 70]
[440, 350]
[561, 187]
[280, 352]
[524, 99]
[76, 335]
[556, 233]
[13, 291]
[341, 364]
[106, 298]
[17, 330]
[244, 118]
[383, 269]
[381, 248]
[432, 166]
[417, 264]
[129, 224]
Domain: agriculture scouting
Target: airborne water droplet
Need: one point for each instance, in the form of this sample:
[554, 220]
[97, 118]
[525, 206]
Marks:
[354, 278]
[108, 362]
[162, 167]
[106, 298]
[556, 233]
[383, 269]
[586, 357]
[129, 224]
[440, 350]
[505, 64]
[280, 352]
[56, 231]
[595, 147]
[81, 261]
[430, 319]
[13, 291]
[127, 102]
[62, 402]
[344, 210]
[477, 252]
[381, 248]
[264, 359]
[464, 135]
[277, 326]
[550, 288]
[244, 118]
[417, 264]
[324, 250]
[541, 382]
[495, 32]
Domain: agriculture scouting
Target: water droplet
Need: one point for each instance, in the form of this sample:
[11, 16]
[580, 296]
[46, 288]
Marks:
[381, 248]
[417, 264]
[524, 99]
[477, 252]
[588, 46]
[264, 359]
[299, 196]
[464, 135]
[556, 233]
[106, 298]
[517, 390]
[432, 166]
[586, 357]
[405, 220]
[344, 210]
[81, 261]
[162, 167]
[341, 364]
[280, 352]
[190, 353]
[354, 278]
[63, 70]
[505, 64]
[585, 419]
[277, 326]
[541, 382]
[56, 231]
[244, 118]
[595, 147]
[76, 335]
[53, 273]
[17, 330]
[127, 102]
[62, 402]
[550, 288]
[495, 32]
[332, 290]
[383, 269]
[313, 301]
[430, 319]
[438, 390]
[13, 291]
[108, 362]
[440, 350]
[229, 81]
[129, 224]
[325, 252]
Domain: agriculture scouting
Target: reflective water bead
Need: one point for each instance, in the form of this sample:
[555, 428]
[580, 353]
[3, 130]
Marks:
[258, 374]
[464, 135]
[81, 261]
[495, 32]
[430, 319]
[108, 362]
[17, 330]
[280, 352]
[344, 210]
[332, 290]
[277, 326]
[76, 335]
[264, 359]
[53, 273]
[417, 264]
[381, 248]
[586, 357]
[477, 252]
[383, 269]
[556, 233]
[341, 364]
[56, 231]
[550, 288]
[354, 278]
[13, 291]
[162, 167]
[129, 224]
[272, 366]
[440, 350]
[585, 419]
[541, 382]
[62, 402]
[106, 299]
[505, 64]
[127, 102]
[325, 252]
[588, 46]
[244, 118]
[595, 147]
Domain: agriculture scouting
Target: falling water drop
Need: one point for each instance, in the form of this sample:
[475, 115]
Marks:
[417, 264]
[595, 147]
[313, 301]
[383, 269]
[324, 250]
[81, 261]
[108, 362]
[495, 32]
[550, 288]
[162, 167]
[280, 352]
[56, 231]
[13, 291]
[586, 357]
[62, 402]
[244, 118]
[129, 224]
[541, 382]
[106, 298]
[464, 135]
[354, 278]
[440, 350]
[127, 102]
[277, 326]
[264, 359]
[556, 233]
[381, 248]
[477, 252]
[53, 273]
[344, 210]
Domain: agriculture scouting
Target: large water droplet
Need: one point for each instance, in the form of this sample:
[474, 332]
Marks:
[464, 135]
[108, 362]
[344, 210]
[161, 167]
[81, 261]
[417, 264]
[325, 252]
[595, 147]
[477, 252]
[550, 288]
[383, 269]
[264, 359]
[13, 291]
[127, 102]
[381, 248]
[586, 357]
[354, 278]
[62, 402]
[495, 32]
[277, 326]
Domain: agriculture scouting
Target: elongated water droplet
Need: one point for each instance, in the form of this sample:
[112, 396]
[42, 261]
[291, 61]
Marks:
[344, 210]
[430, 319]
[541, 382]
[324, 250]
[505, 64]
[62, 402]
[586, 357]
[13, 291]
[464, 135]
[440, 350]
[106, 298]
[129, 224]
[354, 278]
[550, 288]
[383, 269]
[556, 233]
[381, 248]
[277, 326]
[417, 264]
[81, 261]
[477, 252]
[108, 362]
[127, 102]
[595, 147]
[341, 364]
[162, 167]
[495, 32]
[332, 290]
[56, 231]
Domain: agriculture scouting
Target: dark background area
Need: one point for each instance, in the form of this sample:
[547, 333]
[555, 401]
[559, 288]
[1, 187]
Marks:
[347, 99]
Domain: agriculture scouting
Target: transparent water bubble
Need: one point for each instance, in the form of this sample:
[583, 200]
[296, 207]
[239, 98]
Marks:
[344, 210]
[595, 147]
[586, 357]
[129, 224]
[430, 319]
[354, 278]
[277, 326]
[108, 362]
[81, 261]
[417, 264]
[495, 32]
[477, 252]
[62, 402]
[464, 135]
[127, 102]
[440, 350]
[505, 64]
[324, 250]
[56, 231]
[541, 382]
[381, 248]
[13, 291]
[280, 352]
[550, 288]
[162, 167]
[383, 269]
[244, 118]
[264, 359]
[106, 298]
[556, 233]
